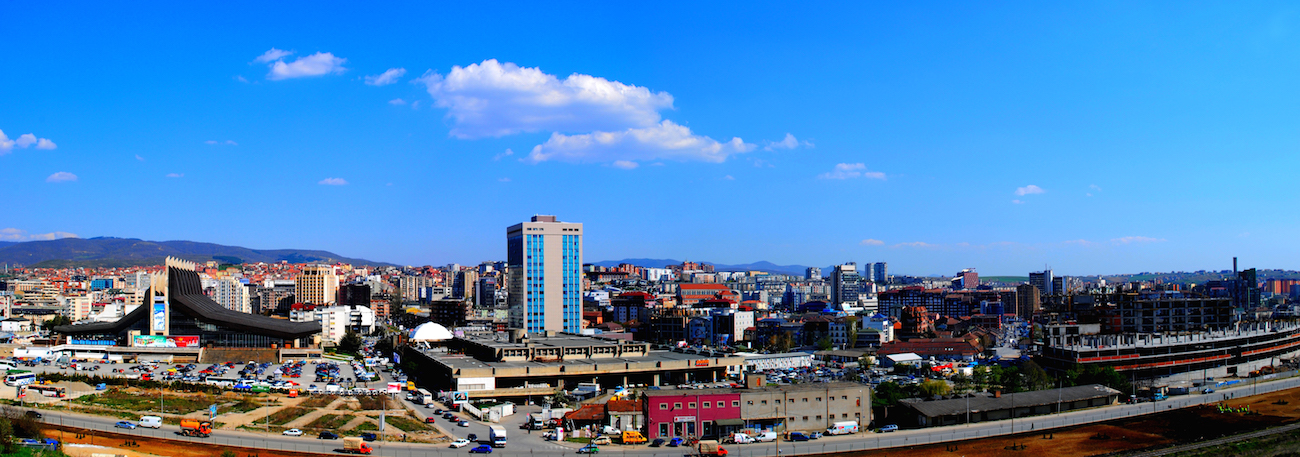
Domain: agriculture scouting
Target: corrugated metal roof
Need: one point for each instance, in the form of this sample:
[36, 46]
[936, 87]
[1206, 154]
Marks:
[1007, 401]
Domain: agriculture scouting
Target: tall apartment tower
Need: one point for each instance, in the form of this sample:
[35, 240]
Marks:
[813, 274]
[846, 285]
[317, 285]
[1043, 281]
[545, 255]
[880, 272]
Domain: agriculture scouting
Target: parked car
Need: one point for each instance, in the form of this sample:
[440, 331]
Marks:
[328, 435]
[460, 443]
[797, 436]
[368, 436]
[657, 442]
[601, 440]
[293, 432]
[815, 435]
[889, 428]
[676, 441]
[125, 424]
[481, 449]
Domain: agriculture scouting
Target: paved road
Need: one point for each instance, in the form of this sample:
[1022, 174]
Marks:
[521, 441]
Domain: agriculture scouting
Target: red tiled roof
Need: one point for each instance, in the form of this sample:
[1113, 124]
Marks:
[587, 413]
[623, 406]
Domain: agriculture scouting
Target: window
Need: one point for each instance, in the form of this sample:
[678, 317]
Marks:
[707, 404]
[750, 402]
[805, 400]
[663, 406]
[819, 399]
[844, 397]
[764, 402]
[819, 417]
[677, 405]
[735, 403]
[805, 418]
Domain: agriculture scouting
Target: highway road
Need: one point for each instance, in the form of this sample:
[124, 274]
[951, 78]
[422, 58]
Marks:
[521, 441]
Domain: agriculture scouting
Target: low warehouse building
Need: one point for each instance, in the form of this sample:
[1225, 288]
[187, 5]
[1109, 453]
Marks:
[987, 407]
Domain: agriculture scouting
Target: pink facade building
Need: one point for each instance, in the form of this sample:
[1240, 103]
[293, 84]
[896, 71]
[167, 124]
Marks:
[685, 413]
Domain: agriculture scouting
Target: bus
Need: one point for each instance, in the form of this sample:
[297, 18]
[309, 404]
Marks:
[423, 397]
[49, 391]
[20, 378]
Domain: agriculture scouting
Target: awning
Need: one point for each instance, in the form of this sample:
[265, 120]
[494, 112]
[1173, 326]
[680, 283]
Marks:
[729, 422]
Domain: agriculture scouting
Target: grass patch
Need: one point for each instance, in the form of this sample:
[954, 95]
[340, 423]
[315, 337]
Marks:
[365, 427]
[330, 421]
[283, 416]
[241, 406]
[406, 424]
[377, 403]
[318, 401]
[122, 400]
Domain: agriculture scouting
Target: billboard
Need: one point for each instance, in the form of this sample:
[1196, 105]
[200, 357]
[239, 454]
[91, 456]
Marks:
[394, 387]
[160, 341]
[159, 314]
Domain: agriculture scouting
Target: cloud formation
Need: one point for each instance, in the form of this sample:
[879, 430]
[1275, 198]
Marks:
[397, 101]
[272, 55]
[1136, 239]
[789, 142]
[665, 140]
[333, 182]
[61, 176]
[24, 141]
[625, 164]
[137, 157]
[386, 78]
[915, 244]
[318, 64]
[228, 142]
[493, 99]
[1029, 190]
[13, 234]
[851, 171]
[175, 175]
[872, 242]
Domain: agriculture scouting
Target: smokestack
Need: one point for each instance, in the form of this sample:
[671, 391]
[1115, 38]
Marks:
[1234, 266]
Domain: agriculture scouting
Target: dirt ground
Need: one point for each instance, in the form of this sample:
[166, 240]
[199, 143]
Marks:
[1158, 430]
[155, 447]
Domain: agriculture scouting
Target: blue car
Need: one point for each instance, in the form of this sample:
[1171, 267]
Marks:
[125, 424]
[481, 449]
[798, 436]
[676, 441]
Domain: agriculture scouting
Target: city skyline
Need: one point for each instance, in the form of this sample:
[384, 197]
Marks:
[1009, 138]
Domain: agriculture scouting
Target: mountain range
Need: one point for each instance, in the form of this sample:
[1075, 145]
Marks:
[106, 252]
[797, 270]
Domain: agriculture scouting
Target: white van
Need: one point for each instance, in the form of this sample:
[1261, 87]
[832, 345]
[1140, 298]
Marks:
[843, 428]
[741, 438]
[765, 437]
[151, 421]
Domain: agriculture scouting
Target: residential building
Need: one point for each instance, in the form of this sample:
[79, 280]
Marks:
[545, 255]
[316, 284]
[1043, 281]
[1028, 301]
[413, 285]
[846, 284]
[232, 294]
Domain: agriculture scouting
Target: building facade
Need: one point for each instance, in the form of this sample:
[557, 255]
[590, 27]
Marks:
[316, 284]
[545, 255]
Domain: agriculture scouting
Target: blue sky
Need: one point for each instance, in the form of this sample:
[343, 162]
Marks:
[1099, 138]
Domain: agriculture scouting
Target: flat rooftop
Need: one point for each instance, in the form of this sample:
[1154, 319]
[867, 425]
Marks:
[560, 340]
[462, 362]
[1147, 340]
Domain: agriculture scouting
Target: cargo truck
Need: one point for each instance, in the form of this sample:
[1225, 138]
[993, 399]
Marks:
[192, 427]
[710, 448]
[497, 434]
[355, 445]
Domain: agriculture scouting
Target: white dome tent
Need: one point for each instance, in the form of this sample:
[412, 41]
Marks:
[429, 332]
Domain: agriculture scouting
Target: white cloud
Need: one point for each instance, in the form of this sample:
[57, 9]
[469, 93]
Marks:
[333, 182]
[1136, 239]
[321, 63]
[23, 142]
[13, 234]
[227, 142]
[211, 142]
[1028, 190]
[625, 164]
[61, 176]
[1094, 187]
[666, 140]
[137, 157]
[241, 79]
[494, 99]
[1018, 202]
[504, 180]
[415, 104]
[232, 143]
[850, 171]
[386, 78]
[272, 55]
[1079, 242]
[789, 142]
[915, 244]
[729, 178]
[508, 152]
[397, 101]
[175, 175]
[872, 242]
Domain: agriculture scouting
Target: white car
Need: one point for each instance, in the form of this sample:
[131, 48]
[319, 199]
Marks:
[460, 443]
[293, 432]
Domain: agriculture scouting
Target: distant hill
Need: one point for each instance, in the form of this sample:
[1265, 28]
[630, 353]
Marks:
[124, 252]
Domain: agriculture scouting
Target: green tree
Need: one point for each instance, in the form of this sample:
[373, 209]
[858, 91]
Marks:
[825, 343]
[7, 436]
[350, 343]
[55, 322]
[962, 383]
[1033, 377]
[933, 387]
[781, 342]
